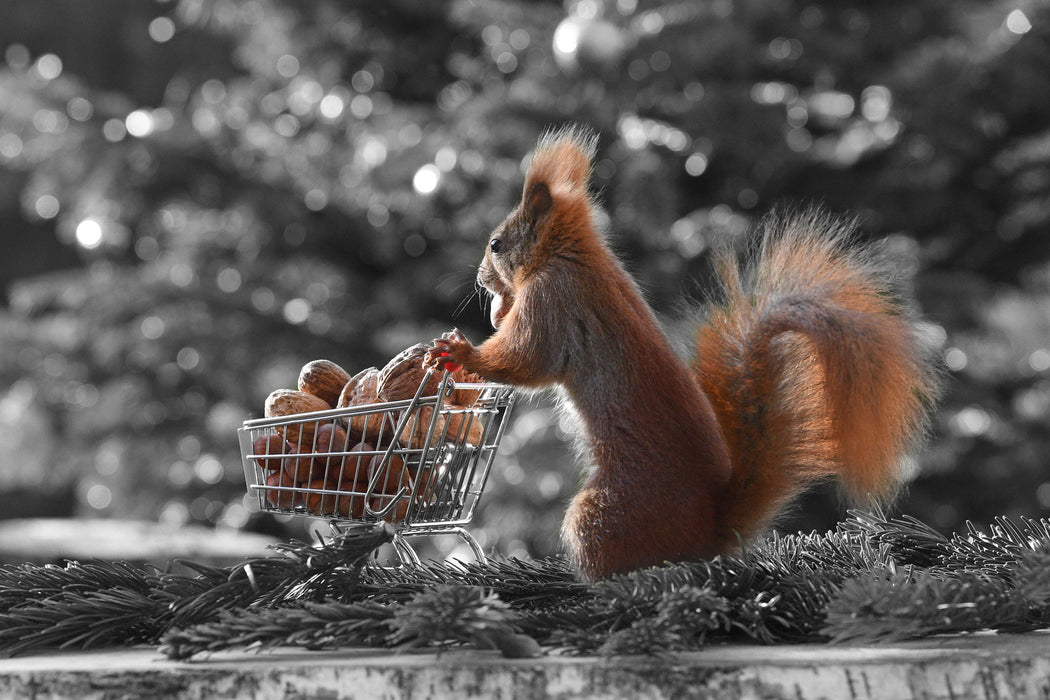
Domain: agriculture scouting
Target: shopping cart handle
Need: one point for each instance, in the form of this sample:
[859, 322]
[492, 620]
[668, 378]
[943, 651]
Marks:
[381, 512]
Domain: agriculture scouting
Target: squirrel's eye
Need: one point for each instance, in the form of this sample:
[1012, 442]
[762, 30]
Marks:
[495, 245]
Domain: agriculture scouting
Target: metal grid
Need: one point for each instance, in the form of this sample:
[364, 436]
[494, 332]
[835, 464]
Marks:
[419, 469]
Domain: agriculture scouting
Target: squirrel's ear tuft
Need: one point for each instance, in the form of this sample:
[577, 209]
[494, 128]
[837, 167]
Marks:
[562, 159]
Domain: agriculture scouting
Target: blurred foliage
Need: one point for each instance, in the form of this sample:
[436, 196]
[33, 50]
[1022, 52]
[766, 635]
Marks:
[199, 196]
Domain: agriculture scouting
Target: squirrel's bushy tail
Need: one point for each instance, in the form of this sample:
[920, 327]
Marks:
[814, 368]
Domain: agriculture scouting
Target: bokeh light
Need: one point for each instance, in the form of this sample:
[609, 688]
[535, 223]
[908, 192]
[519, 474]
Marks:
[426, 179]
[46, 206]
[89, 234]
[139, 123]
[49, 66]
[161, 29]
[1017, 22]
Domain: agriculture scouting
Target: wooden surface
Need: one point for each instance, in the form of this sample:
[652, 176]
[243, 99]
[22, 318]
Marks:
[982, 667]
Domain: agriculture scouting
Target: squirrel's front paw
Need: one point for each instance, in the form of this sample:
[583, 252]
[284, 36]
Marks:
[448, 353]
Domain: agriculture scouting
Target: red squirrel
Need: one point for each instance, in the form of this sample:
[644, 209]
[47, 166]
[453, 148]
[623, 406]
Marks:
[808, 367]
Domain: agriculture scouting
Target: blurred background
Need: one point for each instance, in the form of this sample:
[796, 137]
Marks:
[199, 196]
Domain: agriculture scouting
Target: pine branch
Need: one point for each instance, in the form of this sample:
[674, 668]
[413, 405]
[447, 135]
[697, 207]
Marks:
[995, 580]
[441, 616]
[83, 619]
[872, 579]
[514, 580]
[1031, 575]
[303, 572]
[450, 614]
[906, 539]
[29, 583]
[311, 625]
[995, 552]
[114, 603]
[906, 604]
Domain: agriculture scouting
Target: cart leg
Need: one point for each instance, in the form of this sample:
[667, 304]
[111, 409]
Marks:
[473, 544]
[404, 550]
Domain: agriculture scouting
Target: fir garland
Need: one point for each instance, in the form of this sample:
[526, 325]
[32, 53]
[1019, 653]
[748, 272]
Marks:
[873, 579]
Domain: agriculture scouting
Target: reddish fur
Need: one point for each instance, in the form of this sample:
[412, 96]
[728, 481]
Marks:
[815, 340]
[807, 370]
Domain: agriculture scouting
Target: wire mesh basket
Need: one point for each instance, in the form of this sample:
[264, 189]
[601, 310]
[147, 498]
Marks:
[419, 464]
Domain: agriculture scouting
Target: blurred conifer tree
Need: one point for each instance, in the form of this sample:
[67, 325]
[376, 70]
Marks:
[202, 195]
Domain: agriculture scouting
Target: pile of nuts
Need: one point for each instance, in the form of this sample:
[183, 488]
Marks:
[308, 460]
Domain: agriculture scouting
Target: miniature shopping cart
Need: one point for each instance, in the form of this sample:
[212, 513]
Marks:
[419, 464]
